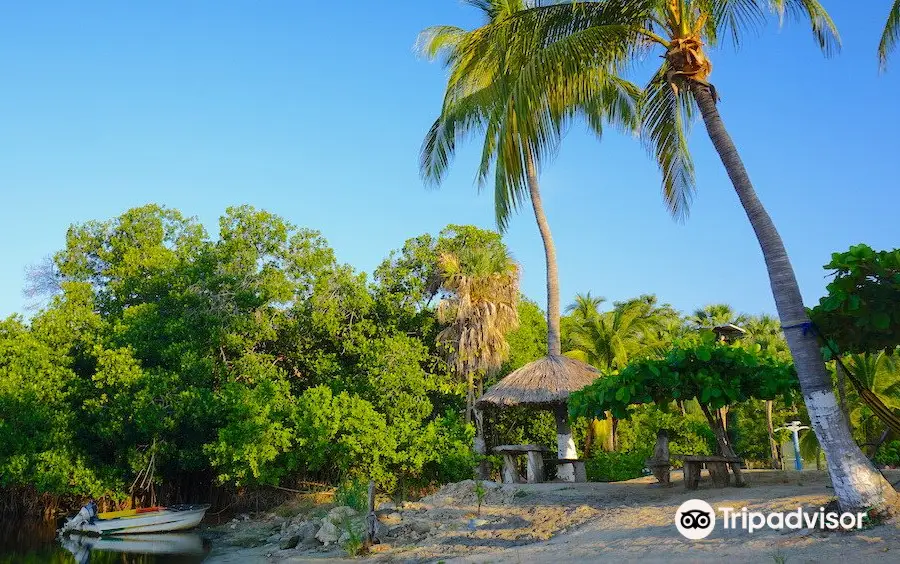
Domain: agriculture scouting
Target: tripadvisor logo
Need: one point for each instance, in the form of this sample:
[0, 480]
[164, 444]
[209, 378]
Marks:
[695, 519]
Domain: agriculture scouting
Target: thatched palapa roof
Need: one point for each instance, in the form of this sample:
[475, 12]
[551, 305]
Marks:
[544, 382]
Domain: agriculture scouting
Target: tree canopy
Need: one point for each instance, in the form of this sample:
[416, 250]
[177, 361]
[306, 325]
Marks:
[715, 374]
[861, 312]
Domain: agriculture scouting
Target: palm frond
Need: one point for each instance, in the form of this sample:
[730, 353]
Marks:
[824, 30]
[436, 40]
[890, 35]
[666, 115]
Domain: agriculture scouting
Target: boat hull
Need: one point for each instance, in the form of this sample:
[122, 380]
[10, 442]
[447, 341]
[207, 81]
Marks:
[162, 521]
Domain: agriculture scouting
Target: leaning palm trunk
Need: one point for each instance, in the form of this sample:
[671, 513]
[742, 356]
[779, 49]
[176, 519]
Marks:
[857, 484]
[564, 442]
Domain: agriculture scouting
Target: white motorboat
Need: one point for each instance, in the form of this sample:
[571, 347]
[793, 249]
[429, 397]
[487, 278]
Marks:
[145, 520]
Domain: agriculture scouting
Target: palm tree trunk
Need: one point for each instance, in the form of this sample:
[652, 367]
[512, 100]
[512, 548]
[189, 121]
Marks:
[857, 484]
[553, 343]
[565, 446]
[842, 388]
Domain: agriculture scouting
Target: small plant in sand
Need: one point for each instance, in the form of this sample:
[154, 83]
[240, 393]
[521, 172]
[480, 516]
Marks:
[353, 545]
[480, 492]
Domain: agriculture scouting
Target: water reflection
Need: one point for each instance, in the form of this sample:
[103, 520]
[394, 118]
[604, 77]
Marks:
[30, 542]
[85, 548]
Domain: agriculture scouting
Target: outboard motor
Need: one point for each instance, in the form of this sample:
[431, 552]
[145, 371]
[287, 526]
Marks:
[86, 516]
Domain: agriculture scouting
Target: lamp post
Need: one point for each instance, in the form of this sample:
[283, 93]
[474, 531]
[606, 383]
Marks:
[795, 427]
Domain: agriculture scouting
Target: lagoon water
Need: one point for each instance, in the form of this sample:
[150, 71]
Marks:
[35, 542]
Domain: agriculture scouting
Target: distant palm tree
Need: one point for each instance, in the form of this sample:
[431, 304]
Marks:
[585, 306]
[607, 341]
[890, 35]
[714, 315]
[480, 309]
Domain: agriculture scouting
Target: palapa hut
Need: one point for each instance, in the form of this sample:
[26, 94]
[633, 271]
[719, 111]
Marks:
[545, 384]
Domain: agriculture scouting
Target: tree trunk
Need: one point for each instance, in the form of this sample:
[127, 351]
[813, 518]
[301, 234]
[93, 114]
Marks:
[470, 395]
[725, 448]
[482, 470]
[773, 445]
[553, 344]
[857, 484]
[565, 446]
[842, 388]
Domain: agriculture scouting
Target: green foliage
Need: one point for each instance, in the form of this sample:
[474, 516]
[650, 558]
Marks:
[889, 454]
[353, 546]
[480, 492]
[615, 466]
[688, 434]
[353, 493]
[713, 373]
[861, 312]
[251, 358]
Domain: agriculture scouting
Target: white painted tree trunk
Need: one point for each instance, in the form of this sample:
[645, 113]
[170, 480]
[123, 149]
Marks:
[856, 484]
[566, 449]
[565, 445]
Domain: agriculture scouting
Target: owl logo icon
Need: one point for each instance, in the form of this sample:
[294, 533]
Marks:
[695, 519]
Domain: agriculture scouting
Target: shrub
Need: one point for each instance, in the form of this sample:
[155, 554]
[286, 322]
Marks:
[353, 493]
[889, 454]
[615, 466]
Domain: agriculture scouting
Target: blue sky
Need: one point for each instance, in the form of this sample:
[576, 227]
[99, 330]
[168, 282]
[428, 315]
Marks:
[315, 111]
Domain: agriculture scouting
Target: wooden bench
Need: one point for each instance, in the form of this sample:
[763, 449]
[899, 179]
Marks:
[534, 469]
[717, 467]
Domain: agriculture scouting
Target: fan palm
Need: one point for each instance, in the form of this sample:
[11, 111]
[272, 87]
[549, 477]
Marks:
[480, 308]
[890, 35]
[680, 87]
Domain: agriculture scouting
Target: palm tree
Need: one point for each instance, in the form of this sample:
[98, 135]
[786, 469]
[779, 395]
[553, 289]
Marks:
[714, 315]
[585, 306]
[520, 132]
[480, 308]
[608, 341]
[890, 35]
[517, 134]
[681, 86]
